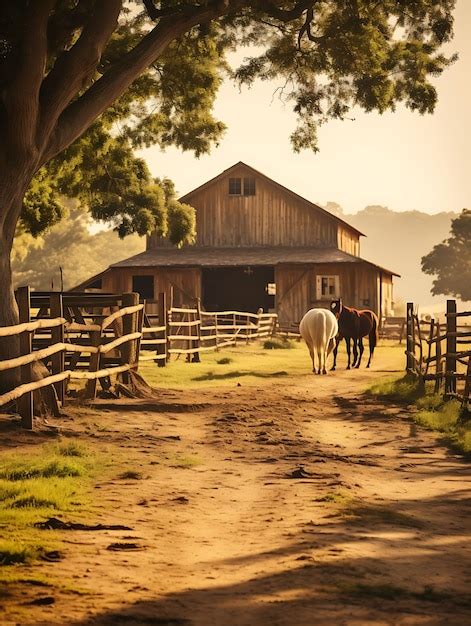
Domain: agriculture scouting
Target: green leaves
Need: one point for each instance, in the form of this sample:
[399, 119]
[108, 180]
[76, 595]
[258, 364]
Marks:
[450, 261]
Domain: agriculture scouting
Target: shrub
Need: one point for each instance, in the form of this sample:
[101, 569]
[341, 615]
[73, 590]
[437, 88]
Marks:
[277, 343]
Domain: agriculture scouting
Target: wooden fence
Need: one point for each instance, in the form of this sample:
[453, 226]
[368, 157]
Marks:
[95, 336]
[441, 352]
[192, 331]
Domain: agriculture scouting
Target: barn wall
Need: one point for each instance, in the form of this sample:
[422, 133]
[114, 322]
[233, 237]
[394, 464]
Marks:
[296, 288]
[184, 282]
[272, 217]
[348, 241]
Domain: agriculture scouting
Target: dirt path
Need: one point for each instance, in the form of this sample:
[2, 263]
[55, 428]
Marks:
[298, 503]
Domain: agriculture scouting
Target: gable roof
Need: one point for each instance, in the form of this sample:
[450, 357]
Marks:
[281, 187]
[196, 256]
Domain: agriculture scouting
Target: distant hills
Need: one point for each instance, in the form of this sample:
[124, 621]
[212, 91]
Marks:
[397, 241]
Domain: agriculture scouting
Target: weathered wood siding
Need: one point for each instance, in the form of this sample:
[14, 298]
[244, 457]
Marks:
[296, 288]
[272, 217]
[181, 284]
[348, 241]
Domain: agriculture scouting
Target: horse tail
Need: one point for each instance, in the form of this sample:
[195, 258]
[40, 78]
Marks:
[374, 332]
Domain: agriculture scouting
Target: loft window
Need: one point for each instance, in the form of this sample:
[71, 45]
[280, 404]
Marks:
[144, 286]
[241, 186]
[249, 186]
[327, 287]
[235, 186]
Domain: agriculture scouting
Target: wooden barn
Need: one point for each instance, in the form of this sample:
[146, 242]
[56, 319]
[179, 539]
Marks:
[258, 245]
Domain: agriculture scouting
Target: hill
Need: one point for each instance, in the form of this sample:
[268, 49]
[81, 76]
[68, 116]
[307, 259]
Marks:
[397, 241]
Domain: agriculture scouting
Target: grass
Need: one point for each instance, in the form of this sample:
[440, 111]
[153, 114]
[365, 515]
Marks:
[431, 411]
[53, 481]
[250, 365]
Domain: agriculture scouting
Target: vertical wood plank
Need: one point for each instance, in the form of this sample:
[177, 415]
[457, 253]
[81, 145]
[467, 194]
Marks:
[450, 380]
[57, 335]
[26, 402]
[409, 337]
[162, 313]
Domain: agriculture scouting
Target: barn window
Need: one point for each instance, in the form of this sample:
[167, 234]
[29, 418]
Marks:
[327, 287]
[235, 186]
[144, 286]
[249, 186]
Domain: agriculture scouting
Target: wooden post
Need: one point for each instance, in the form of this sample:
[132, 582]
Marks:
[94, 366]
[409, 337]
[196, 356]
[438, 362]
[25, 403]
[216, 330]
[162, 313]
[128, 350]
[450, 380]
[57, 334]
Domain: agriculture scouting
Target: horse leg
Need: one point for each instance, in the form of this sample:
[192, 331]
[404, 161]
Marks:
[362, 347]
[336, 341]
[311, 352]
[347, 342]
[319, 358]
[324, 360]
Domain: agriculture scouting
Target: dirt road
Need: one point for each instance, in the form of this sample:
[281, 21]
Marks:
[297, 502]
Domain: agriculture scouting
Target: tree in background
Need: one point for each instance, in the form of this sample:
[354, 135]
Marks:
[450, 261]
[71, 247]
[84, 81]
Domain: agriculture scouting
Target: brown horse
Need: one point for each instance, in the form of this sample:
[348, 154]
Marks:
[355, 324]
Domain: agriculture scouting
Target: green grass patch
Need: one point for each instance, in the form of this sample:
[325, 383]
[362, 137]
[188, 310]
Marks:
[432, 411]
[54, 480]
[13, 552]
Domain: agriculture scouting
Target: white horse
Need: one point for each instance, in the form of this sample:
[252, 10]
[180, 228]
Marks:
[318, 328]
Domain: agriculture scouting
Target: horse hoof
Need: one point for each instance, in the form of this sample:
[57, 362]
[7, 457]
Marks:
[324, 372]
[348, 367]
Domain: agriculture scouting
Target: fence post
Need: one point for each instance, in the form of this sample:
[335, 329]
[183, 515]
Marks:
[26, 402]
[94, 365]
[130, 321]
[409, 337]
[196, 356]
[450, 367]
[57, 335]
[162, 313]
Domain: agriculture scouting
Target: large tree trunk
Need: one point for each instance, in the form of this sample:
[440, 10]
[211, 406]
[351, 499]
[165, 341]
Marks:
[13, 186]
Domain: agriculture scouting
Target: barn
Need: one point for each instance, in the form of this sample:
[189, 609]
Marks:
[258, 244]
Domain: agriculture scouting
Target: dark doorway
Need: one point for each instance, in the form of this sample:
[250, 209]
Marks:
[237, 288]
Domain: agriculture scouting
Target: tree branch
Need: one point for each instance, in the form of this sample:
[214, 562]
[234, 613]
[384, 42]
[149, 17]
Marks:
[285, 15]
[79, 115]
[75, 68]
[21, 96]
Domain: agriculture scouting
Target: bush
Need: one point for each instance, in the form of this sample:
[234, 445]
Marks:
[224, 361]
[278, 343]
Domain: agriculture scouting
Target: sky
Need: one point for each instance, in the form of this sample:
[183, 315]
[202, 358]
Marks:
[401, 160]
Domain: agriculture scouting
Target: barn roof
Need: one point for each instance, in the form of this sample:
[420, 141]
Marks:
[199, 256]
[312, 205]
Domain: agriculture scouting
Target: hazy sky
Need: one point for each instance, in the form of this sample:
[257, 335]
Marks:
[401, 160]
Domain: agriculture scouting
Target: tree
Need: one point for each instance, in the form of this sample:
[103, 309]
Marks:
[72, 247]
[450, 260]
[72, 66]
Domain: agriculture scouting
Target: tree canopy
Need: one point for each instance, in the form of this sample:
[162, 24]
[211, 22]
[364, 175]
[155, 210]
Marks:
[450, 261]
[110, 77]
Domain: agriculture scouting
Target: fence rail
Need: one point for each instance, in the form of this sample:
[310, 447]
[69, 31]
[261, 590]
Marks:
[440, 352]
[92, 337]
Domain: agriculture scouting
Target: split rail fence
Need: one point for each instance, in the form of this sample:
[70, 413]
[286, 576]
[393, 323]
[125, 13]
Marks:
[92, 337]
[441, 352]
